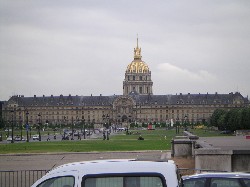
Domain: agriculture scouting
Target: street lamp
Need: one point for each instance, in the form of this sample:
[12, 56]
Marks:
[27, 125]
[8, 127]
[108, 127]
[39, 118]
[177, 125]
[21, 128]
[89, 127]
[136, 115]
[103, 118]
[12, 127]
[72, 138]
[185, 122]
[84, 135]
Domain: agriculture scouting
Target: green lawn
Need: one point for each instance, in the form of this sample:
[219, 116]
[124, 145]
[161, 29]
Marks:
[153, 140]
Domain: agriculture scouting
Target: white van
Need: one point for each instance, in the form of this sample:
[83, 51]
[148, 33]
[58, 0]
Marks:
[112, 173]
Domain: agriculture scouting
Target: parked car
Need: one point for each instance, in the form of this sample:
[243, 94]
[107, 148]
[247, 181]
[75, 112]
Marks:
[35, 137]
[65, 137]
[122, 173]
[226, 132]
[19, 138]
[121, 129]
[9, 138]
[217, 180]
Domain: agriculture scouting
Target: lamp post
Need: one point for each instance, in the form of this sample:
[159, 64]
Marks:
[103, 118]
[135, 117]
[72, 129]
[8, 126]
[39, 123]
[177, 126]
[108, 127]
[21, 128]
[30, 131]
[84, 135]
[27, 125]
[12, 127]
[89, 127]
[185, 122]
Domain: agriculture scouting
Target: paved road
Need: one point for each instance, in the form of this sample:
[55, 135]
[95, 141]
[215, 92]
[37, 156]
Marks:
[48, 161]
[228, 142]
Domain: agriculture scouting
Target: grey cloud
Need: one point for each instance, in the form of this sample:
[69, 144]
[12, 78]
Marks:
[84, 47]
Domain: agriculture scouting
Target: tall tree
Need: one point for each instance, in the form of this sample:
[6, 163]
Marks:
[245, 118]
[215, 118]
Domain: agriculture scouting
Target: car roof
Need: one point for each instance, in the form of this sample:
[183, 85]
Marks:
[115, 166]
[218, 175]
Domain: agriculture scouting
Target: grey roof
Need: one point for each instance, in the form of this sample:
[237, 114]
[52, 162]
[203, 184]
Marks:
[181, 99]
[63, 100]
[187, 99]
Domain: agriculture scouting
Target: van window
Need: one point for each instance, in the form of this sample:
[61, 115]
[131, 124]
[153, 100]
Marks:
[247, 182]
[123, 181]
[221, 182]
[64, 181]
[199, 182]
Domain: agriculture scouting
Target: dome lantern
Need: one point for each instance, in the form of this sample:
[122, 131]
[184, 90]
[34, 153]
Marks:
[137, 65]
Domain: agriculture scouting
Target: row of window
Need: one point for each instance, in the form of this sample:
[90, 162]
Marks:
[67, 119]
[141, 91]
[136, 78]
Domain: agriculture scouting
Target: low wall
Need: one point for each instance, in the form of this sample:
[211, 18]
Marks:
[222, 160]
[190, 135]
[213, 159]
[241, 160]
[181, 147]
[209, 158]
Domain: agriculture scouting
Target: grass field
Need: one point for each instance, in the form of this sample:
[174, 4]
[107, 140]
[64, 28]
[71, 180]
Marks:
[153, 140]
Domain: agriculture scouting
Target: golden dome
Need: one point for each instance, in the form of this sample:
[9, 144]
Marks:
[137, 65]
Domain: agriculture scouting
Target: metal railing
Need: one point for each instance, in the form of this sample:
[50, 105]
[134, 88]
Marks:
[25, 178]
[22, 178]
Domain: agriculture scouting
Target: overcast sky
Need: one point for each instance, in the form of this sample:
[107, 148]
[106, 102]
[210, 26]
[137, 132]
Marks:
[52, 47]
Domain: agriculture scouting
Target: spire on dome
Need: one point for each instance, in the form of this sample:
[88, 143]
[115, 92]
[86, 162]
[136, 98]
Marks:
[137, 51]
[137, 41]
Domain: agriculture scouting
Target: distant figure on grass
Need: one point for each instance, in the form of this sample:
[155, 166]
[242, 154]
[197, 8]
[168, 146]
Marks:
[48, 137]
[140, 138]
[104, 136]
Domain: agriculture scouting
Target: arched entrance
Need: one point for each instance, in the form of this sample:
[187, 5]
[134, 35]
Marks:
[123, 110]
[124, 118]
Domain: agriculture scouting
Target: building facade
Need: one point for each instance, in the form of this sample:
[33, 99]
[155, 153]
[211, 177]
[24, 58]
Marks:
[138, 104]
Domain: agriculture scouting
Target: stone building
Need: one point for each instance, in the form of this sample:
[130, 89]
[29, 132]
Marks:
[137, 104]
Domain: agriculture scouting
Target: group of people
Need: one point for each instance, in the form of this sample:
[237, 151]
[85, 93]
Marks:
[48, 139]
